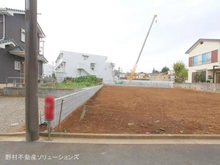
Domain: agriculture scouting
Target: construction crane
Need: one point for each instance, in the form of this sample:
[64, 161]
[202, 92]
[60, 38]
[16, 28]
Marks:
[135, 66]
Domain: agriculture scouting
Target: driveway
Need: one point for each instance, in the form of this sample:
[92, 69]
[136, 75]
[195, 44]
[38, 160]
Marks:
[12, 113]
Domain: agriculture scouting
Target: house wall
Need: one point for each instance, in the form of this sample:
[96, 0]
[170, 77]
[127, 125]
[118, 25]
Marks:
[73, 61]
[40, 68]
[1, 26]
[48, 69]
[207, 46]
[7, 65]
[14, 24]
[13, 28]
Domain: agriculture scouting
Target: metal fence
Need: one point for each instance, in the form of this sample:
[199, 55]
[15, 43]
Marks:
[20, 81]
[14, 81]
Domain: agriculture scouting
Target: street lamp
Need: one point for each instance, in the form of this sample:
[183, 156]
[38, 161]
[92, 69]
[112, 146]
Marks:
[214, 73]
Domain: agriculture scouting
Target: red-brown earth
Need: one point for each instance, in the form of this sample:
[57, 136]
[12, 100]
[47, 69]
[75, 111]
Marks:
[141, 110]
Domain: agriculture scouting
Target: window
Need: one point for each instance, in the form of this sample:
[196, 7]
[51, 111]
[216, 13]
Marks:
[206, 58]
[92, 66]
[85, 56]
[202, 59]
[17, 65]
[195, 60]
[22, 35]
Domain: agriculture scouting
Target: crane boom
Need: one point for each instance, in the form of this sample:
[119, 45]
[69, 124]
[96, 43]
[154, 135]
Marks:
[135, 66]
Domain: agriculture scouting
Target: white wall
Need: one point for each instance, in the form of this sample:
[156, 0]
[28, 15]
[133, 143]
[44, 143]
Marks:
[48, 69]
[207, 46]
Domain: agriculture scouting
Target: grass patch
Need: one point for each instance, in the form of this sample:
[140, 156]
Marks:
[75, 83]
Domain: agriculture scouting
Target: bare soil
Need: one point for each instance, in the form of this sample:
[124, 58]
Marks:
[140, 110]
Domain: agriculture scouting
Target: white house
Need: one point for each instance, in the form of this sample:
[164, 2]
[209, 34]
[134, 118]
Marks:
[72, 64]
[171, 74]
[204, 58]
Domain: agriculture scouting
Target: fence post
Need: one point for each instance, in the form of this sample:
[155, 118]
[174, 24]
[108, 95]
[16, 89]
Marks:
[61, 108]
[6, 82]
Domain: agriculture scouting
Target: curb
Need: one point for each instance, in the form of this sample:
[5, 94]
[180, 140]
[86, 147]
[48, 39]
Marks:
[121, 136]
[13, 134]
[132, 136]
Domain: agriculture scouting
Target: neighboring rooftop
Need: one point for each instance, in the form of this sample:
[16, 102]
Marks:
[11, 12]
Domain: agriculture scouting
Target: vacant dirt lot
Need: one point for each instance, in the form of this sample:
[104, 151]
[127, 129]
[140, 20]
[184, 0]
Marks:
[139, 110]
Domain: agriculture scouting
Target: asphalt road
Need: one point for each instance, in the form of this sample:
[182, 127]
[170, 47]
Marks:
[26, 153]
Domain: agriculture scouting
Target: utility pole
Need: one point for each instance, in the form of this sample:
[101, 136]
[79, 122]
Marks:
[213, 73]
[31, 99]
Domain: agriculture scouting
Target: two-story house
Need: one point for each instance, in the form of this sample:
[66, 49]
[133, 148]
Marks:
[142, 76]
[204, 58]
[159, 76]
[72, 64]
[12, 45]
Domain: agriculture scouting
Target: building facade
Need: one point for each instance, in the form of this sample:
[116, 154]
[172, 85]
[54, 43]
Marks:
[12, 45]
[72, 64]
[159, 77]
[204, 58]
[48, 70]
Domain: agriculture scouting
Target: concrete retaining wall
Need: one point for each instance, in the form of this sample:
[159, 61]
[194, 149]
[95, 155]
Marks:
[160, 84]
[71, 102]
[42, 92]
[208, 87]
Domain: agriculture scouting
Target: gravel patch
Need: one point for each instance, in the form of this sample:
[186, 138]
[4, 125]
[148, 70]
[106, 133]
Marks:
[12, 113]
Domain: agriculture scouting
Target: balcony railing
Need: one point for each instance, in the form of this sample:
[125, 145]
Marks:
[84, 66]
[59, 63]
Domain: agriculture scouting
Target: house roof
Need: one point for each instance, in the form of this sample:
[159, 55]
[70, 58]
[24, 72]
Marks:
[19, 51]
[4, 42]
[157, 74]
[200, 41]
[11, 12]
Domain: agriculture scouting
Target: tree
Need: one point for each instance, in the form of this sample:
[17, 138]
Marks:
[181, 72]
[165, 69]
[198, 77]
[155, 71]
[53, 75]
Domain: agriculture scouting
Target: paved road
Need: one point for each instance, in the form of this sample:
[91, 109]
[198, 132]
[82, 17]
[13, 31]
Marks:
[99, 154]
[12, 113]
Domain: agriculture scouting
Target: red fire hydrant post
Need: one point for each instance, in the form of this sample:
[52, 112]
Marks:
[49, 112]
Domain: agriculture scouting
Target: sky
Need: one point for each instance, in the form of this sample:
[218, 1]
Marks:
[117, 29]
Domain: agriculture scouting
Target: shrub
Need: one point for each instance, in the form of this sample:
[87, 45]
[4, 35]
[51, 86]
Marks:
[93, 80]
